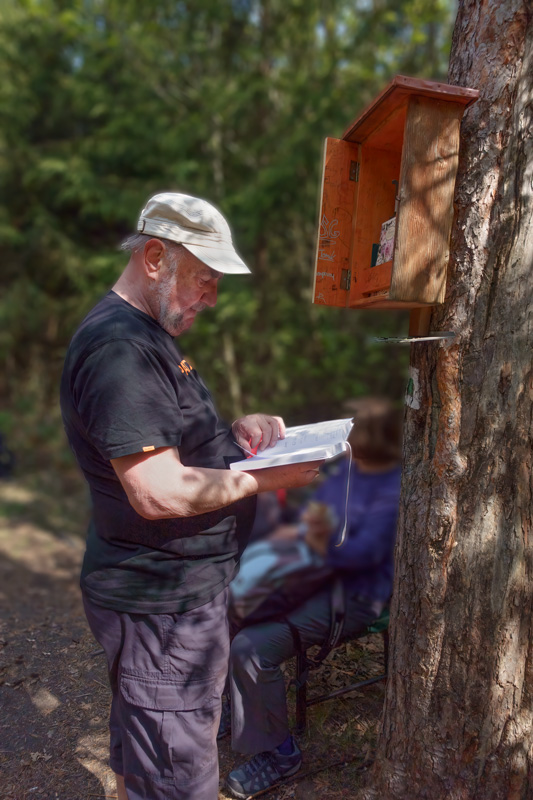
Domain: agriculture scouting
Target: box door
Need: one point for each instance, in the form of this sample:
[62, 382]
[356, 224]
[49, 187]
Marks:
[339, 185]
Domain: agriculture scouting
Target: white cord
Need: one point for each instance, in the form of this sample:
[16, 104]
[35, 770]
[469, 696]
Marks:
[345, 526]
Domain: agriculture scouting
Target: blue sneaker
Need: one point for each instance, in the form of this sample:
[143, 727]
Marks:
[263, 771]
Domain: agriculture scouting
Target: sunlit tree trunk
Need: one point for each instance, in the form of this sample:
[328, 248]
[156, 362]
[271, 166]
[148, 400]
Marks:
[458, 718]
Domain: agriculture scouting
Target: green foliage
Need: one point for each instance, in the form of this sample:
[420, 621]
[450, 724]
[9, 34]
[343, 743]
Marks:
[103, 103]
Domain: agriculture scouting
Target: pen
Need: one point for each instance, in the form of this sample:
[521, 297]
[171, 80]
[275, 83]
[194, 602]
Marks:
[252, 452]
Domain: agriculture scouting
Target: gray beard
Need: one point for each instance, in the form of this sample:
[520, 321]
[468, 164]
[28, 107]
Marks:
[170, 321]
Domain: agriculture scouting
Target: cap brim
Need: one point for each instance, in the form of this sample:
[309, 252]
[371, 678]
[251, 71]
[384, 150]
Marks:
[227, 261]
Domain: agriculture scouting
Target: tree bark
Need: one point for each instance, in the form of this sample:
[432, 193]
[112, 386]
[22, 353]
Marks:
[458, 718]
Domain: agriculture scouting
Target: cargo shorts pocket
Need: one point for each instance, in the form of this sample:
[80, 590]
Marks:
[162, 693]
[170, 729]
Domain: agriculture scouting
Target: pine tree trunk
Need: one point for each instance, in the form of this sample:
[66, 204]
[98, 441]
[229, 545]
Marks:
[458, 718]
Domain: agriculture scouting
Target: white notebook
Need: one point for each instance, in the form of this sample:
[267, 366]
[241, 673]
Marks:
[317, 442]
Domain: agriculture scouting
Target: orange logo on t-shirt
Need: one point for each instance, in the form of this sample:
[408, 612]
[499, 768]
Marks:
[185, 367]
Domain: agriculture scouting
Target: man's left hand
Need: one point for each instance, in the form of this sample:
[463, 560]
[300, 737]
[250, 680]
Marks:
[258, 430]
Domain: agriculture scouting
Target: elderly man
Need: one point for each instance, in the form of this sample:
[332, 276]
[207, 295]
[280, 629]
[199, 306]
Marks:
[169, 518]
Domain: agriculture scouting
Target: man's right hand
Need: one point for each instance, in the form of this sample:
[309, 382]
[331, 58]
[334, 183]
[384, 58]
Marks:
[286, 476]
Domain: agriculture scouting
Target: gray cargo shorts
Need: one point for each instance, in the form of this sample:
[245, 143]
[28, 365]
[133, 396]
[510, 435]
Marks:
[167, 673]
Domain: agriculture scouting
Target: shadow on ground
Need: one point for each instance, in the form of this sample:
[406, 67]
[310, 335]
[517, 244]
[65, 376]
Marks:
[53, 686]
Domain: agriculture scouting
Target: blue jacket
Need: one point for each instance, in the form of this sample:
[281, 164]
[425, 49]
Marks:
[366, 556]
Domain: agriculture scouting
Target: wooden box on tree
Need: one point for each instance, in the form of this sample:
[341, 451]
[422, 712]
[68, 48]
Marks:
[391, 178]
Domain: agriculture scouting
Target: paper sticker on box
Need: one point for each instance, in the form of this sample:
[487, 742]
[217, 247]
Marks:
[386, 241]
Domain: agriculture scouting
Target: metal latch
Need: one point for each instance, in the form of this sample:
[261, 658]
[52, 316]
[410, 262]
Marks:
[354, 171]
[346, 279]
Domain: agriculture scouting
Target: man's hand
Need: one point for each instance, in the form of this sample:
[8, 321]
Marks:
[258, 429]
[286, 476]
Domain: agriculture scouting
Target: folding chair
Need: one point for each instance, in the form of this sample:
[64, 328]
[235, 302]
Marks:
[380, 625]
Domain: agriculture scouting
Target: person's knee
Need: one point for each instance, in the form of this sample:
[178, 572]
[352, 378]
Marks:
[242, 648]
[253, 646]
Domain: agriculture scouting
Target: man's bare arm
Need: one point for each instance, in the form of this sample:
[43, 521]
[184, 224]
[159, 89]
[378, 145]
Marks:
[159, 486]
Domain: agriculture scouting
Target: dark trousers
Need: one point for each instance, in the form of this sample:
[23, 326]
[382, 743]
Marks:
[258, 697]
[166, 672]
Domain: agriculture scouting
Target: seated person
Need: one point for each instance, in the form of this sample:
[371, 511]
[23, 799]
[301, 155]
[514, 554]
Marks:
[259, 722]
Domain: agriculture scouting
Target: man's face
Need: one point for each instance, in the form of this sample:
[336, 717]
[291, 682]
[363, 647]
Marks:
[186, 286]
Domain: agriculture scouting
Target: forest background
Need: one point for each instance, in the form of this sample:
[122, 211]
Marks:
[104, 102]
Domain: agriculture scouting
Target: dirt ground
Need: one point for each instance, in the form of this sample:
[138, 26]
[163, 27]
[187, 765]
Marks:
[53, 689]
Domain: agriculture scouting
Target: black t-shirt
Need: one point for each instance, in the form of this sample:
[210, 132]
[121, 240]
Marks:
[126, 389]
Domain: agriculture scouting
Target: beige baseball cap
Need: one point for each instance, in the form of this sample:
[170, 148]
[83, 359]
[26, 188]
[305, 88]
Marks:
[195, 224]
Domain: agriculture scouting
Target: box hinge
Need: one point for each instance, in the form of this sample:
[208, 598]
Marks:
[354, 171]
[346, 279]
